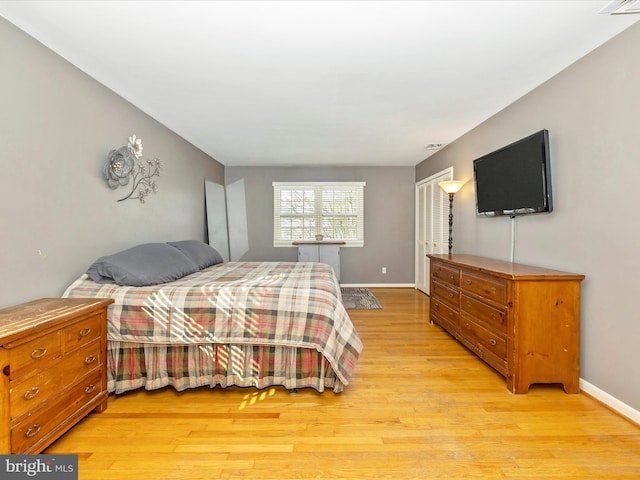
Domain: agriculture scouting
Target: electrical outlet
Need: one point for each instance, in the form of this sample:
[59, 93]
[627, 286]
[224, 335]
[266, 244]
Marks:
[384, 270]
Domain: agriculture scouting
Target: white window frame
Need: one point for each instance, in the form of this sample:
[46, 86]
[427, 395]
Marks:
[317, 214]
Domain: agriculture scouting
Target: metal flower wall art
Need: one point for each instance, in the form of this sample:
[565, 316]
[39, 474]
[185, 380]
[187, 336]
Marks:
[124, 166]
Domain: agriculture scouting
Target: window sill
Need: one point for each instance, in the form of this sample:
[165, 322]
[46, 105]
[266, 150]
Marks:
[319, 242]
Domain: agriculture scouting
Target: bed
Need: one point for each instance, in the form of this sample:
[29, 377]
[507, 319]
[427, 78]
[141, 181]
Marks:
[249, 324]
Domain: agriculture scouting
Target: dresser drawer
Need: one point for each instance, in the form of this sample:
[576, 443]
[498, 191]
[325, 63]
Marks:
[446, 274]
[81, 362]
[35, 428]
[442, 310]
[448, 295]
[487, 287]
[494, 318]
[81, 333]
[34, 354]
[29, 392]
[484, 338]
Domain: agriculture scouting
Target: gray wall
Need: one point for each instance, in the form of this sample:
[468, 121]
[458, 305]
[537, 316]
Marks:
[56, 127]
[388, 217]
[591, 110]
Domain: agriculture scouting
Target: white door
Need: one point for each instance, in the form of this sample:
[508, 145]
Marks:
[432, 227]
[423, 203]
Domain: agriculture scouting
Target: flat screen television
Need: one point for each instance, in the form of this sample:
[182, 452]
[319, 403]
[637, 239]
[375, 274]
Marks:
[516, 179]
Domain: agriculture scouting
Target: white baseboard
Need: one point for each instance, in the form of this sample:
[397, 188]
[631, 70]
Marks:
[610, 401]
[378, 285]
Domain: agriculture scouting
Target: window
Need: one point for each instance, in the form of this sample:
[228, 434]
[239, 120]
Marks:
[303, 210]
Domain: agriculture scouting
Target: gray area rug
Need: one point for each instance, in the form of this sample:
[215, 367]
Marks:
[359, 299]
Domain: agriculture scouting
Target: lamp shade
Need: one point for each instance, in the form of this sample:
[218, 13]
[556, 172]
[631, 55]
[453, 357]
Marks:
[451, 186]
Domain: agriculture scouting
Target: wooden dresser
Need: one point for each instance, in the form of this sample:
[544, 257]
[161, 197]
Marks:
[52, 364]
[524, 321]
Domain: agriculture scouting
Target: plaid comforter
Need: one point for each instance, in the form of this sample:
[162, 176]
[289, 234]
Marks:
[246, 303]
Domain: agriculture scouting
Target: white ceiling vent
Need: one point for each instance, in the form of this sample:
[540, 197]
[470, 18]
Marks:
[434, 146]
[619, 7]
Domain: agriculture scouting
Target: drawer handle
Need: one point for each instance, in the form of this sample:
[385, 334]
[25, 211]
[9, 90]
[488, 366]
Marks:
[32, 431]
[38, 353]
[84, 332]
[451, 295]
[89, 388]
[493, 342]
[33, 393]
[468, 282]
[90, 359]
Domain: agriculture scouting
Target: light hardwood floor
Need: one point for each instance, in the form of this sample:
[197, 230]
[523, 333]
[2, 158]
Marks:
[420, 406]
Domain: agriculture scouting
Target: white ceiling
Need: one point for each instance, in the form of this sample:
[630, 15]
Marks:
[319, 82]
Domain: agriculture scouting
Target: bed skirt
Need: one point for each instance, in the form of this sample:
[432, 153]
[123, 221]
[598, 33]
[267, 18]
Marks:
[152, 366]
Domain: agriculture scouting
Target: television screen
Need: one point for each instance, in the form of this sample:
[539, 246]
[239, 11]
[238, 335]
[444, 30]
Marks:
[516, 179]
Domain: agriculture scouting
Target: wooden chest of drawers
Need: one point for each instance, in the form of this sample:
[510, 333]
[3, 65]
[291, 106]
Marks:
[523, 321]
[52, 364]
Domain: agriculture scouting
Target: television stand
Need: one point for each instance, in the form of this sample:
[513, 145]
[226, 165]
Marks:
[521, 320]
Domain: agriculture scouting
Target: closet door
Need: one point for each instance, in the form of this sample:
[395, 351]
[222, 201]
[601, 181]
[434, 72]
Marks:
[423, 204]
[432, 224]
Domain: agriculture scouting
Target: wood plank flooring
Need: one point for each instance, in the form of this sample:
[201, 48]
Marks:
[420, 407]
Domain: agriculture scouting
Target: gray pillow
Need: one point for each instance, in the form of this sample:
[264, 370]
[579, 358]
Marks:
[146, 264]
[198, 252]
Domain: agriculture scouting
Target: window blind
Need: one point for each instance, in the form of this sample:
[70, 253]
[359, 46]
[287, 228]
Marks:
[302, 210]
